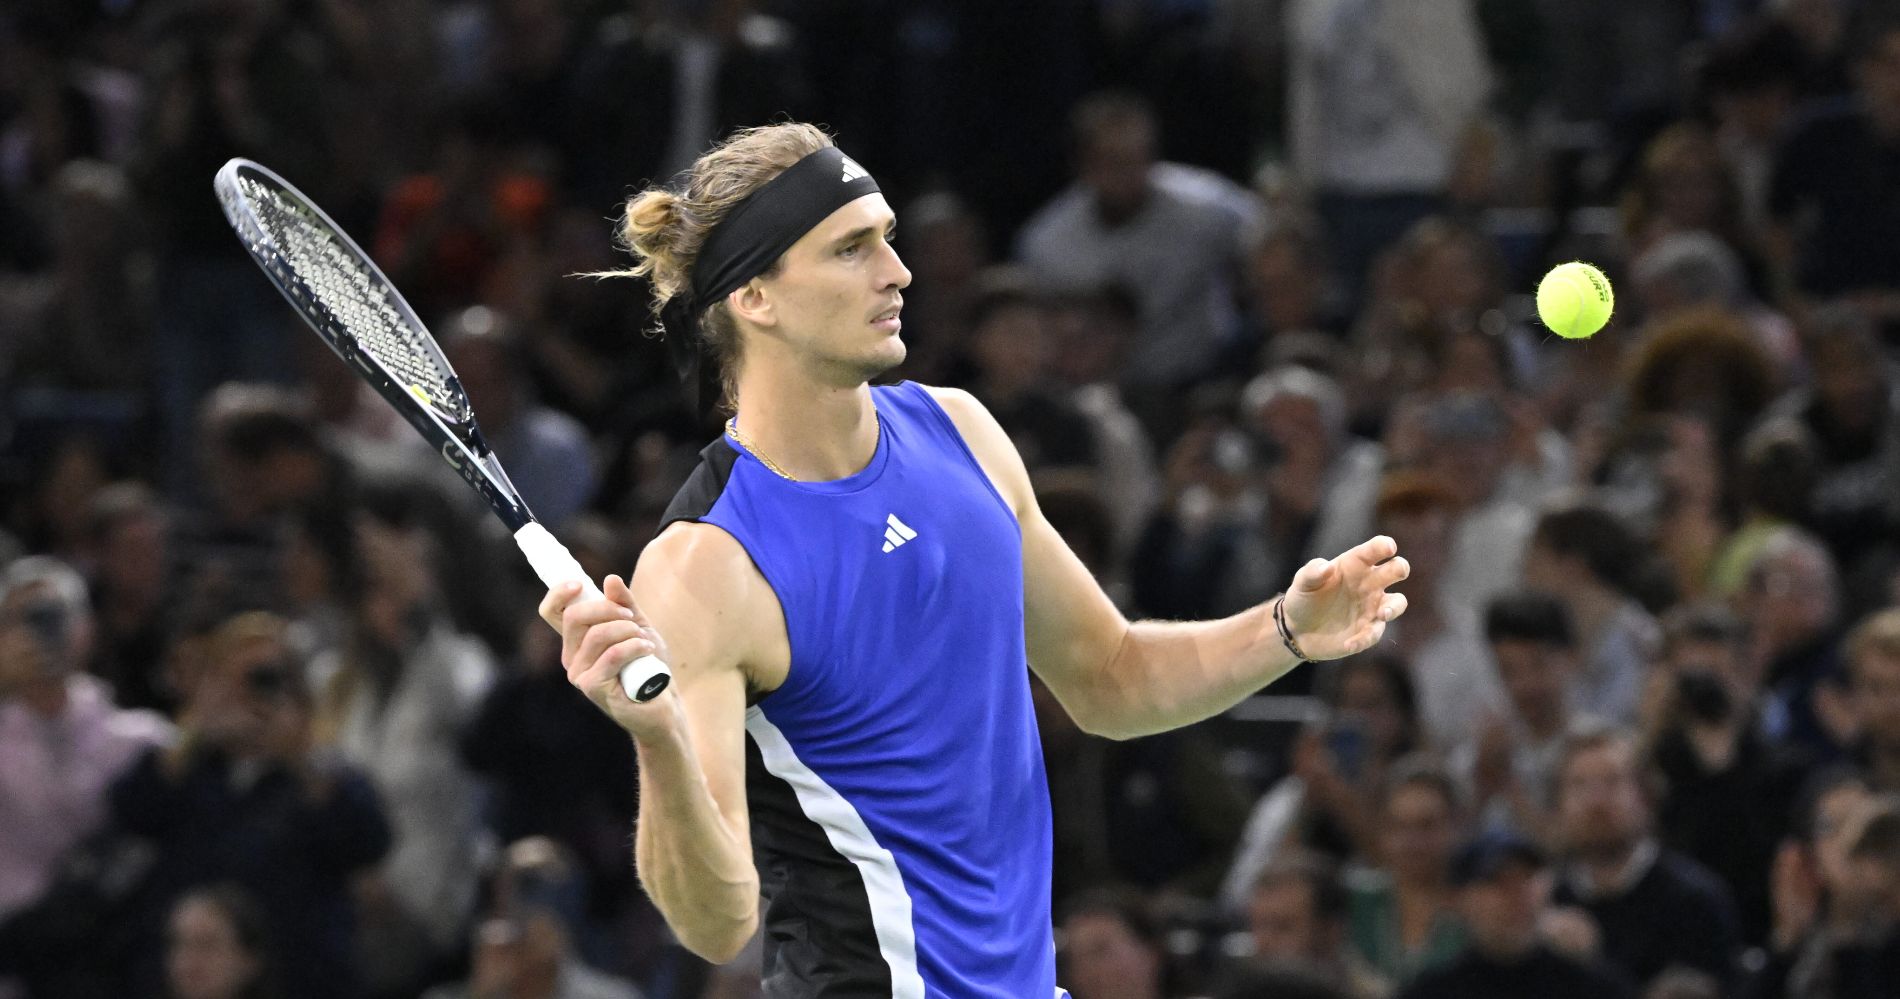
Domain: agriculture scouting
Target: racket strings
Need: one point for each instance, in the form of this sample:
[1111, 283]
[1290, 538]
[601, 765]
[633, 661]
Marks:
[353, 297]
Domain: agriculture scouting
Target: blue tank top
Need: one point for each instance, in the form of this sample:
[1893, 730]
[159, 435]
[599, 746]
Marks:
[899, 809]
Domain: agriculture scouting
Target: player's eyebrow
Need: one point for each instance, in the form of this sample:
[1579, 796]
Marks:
[861, 232]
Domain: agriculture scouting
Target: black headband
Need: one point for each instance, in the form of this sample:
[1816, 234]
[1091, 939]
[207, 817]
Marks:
[748, 241]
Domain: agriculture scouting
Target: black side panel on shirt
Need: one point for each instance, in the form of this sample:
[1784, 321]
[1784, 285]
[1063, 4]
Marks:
[819, 940]
[696, 498]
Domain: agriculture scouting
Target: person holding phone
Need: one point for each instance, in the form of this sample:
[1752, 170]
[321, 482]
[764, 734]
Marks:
[1344, 759]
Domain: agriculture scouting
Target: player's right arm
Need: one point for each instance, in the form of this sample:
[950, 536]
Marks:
[698, 603]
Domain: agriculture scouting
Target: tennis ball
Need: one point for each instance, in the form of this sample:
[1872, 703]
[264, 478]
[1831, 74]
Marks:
[1574, 300]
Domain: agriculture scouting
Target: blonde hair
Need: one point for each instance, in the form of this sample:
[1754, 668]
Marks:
[665, 229]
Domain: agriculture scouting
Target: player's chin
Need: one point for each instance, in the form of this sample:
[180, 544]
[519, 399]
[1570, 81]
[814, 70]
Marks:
[884, 355]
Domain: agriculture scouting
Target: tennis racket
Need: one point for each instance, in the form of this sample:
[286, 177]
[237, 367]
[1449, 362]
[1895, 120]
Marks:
[341, 293]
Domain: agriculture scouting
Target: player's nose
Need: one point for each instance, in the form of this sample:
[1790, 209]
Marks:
[891, 270]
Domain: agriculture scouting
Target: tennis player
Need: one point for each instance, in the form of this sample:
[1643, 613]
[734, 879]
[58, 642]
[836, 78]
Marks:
[851, 590]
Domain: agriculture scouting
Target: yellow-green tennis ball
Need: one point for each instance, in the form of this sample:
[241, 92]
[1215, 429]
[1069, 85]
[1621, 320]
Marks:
[1574, 300]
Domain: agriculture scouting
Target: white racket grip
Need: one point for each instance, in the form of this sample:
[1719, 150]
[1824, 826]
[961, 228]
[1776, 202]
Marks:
[643, 678]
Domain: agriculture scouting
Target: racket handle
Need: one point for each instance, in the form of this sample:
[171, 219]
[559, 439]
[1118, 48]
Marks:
[643, 678]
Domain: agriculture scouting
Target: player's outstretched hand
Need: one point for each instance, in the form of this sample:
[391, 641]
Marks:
[598, 638]
[1337, 607]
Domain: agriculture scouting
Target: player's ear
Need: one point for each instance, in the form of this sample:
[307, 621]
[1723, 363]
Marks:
[751, 303]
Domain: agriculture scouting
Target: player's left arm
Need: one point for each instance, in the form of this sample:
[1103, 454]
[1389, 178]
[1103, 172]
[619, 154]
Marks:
[1124, 679]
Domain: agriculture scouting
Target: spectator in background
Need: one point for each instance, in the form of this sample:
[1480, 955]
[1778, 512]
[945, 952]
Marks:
[394, 701]
[130, 548]
[526, 946]
[1866, 964]
[1503, 895]
[1092, 332]
[1464, 433]
[1345, 759]
[1449, 666]
[1321, 482]
[1792, 606]
[1589, 559]
[62, 739]
[547, 451]
[1683, 186]
[83, 324]
[1444, 279]
[1753, 81]
[1703, 363]
[1851, 410]
[264, 461]
[1332, 798]
[1817, 896]
[556, 767]
[1654, 907]
[219, 946]
[1379, 94]
[1296, 919]
[1826, 193]
[1690, 270]
[1776, 474]
[1011, 347]
[1291, 291]
[1873, 669]
[1402, 912]
[1511, 766]
[1107, 947]
[946, 248]
[1175, 236]
[1205, 549]
[1825, 29]
[243, 796]
[1731, 789]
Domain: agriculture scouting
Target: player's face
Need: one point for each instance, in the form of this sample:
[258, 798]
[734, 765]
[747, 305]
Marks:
[837, 295]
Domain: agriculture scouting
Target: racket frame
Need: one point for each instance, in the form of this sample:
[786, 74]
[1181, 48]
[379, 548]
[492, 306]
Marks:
[456, 436]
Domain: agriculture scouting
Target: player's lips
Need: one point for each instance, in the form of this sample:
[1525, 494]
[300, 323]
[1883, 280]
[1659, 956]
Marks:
[888, 319]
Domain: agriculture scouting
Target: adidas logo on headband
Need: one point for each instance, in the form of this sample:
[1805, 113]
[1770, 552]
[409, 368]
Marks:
[852, 171]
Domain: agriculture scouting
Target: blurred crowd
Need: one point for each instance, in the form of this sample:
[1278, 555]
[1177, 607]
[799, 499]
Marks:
[1246, 280]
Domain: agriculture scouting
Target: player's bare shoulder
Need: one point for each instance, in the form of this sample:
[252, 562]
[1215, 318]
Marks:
[987, 439]
[698, 586]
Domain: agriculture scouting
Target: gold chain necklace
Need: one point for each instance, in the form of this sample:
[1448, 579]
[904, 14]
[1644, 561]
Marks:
[732, 428]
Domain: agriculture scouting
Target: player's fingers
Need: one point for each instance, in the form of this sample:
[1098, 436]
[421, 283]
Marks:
[1373, 551]
[614, 659]
[1393, 572]
[598, 640]
[1392, 606]
[556, 601]
[1315, 575]
[1370, 637]
[617, 591]
[584, 614]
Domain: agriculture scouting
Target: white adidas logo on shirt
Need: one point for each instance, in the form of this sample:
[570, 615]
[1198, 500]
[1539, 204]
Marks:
[852, 171]
[896, 532]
